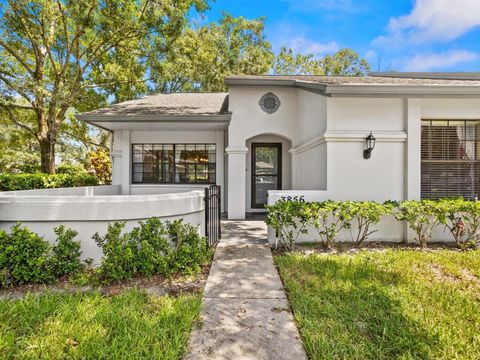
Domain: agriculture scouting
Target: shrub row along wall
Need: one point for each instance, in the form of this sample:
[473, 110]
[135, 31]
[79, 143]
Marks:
[11, 182]
[90, 210]
[324, 221]
[153, 247]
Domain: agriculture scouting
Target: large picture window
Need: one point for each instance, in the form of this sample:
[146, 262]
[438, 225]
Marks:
[450, 159]
[173, 163]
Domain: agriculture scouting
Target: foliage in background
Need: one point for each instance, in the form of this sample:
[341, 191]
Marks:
[343, 62]
[151, 248]
[25, 257]
[10, 182]
[101, 166]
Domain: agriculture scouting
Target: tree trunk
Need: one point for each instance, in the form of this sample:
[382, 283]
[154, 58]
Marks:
[47, 156]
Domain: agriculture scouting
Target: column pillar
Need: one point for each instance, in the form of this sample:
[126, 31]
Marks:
[116, 156]
[412, 166]
[236, 182]
[126, 167]
[413, 128]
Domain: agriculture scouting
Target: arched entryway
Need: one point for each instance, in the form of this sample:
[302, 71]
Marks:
[268, 168]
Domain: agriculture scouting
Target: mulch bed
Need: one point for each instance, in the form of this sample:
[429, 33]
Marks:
[156, 285]
[349, 248]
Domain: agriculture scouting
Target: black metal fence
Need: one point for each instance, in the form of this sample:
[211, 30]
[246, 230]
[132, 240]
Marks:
[213, 202]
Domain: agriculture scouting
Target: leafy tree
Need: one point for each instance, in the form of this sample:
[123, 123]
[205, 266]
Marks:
[202, 57]
[288, 63]
[55, 55]
[343, 62]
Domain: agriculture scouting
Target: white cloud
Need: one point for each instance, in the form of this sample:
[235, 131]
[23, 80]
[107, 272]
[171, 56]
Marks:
[432, 61]
[303, 45]
[433, 20]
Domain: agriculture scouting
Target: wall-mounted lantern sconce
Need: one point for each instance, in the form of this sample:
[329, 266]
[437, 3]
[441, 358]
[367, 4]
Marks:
[370, 144]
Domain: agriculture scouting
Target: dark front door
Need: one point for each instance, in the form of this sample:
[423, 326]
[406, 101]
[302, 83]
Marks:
[266, 171]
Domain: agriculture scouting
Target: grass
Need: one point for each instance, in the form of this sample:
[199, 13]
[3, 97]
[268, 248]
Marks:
[398, 304]
[131, 325]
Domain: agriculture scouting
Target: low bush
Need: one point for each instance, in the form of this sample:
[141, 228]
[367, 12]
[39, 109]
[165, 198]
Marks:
[23, 257]
[366, 214]
[151, 248]
[11, 182]
[65, 254]
[462, 219]
[118, 261]
[189, 248]
[329, 218]
[26, 257]
[421, 216]
[291, 218]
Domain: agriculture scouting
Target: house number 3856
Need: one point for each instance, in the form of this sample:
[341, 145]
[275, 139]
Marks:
[294, 198]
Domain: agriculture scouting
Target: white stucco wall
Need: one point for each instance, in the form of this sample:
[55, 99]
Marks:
[300, 120]
[90, 212]
[393, 171]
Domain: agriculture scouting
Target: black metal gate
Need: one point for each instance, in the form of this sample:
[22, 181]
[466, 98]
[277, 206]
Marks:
[212, 214]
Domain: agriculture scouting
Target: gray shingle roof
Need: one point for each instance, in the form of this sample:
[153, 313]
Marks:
[169, 104]
[359, 80]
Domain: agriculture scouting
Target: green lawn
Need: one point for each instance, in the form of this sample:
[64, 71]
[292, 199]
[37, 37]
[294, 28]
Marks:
[132, 325]
[400, 304]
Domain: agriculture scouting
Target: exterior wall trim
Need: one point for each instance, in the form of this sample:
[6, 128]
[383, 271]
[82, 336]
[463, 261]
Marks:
[209, 118]
[230, 150]
[349, 136]
[354, 136]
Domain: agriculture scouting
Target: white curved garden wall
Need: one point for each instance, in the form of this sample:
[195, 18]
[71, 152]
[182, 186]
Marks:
[89, 210]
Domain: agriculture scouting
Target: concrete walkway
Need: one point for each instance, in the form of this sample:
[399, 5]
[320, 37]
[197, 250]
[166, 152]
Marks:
[245, 311]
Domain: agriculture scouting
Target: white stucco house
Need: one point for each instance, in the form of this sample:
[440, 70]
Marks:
[302, 136]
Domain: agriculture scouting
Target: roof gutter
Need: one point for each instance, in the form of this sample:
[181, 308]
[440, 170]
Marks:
[365, 90]
[306, 85]
[203, 118]
[97, 120]
[402, 91]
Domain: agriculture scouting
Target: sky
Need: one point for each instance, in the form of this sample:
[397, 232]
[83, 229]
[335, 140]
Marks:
[393, 35]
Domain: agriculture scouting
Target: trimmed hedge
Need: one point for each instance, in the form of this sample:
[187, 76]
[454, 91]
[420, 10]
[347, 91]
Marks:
[153, 247]
[12, 182]
[290, 219]
[26, 257]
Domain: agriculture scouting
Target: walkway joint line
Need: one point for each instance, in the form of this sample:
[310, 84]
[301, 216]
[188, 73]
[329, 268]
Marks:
[245, 313]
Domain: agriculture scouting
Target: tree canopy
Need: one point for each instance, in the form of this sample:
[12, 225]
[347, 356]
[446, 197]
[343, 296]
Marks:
[343, 62]
[201, 58]
[58, 57]
[56, 54]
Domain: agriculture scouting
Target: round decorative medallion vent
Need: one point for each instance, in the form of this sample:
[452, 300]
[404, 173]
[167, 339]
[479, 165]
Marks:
[269, 103]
